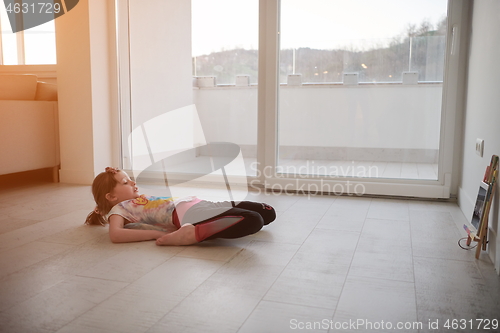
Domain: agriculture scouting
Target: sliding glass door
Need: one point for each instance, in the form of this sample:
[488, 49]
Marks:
[188, 74]
[361, 86]
[225, 55]
[318, 96]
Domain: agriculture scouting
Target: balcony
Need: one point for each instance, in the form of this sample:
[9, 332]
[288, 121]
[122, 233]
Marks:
[383, 130]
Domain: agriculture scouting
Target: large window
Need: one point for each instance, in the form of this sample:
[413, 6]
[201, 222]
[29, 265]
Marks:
[195, 85]
[34, 46]
[312, 92]
[379, 50]
[225, 67]
[361, 89]
[225, 40]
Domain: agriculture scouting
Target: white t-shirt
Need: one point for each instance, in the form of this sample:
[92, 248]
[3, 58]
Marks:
[148, 212]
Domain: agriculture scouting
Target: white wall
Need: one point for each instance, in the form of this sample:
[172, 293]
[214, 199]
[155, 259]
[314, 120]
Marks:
[482, 116]
[86, 106]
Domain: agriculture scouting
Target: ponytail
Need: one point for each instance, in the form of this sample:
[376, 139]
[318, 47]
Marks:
[104, 183]
[95, 219]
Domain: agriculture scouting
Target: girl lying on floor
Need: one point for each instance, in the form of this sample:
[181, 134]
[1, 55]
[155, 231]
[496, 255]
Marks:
[133, 217]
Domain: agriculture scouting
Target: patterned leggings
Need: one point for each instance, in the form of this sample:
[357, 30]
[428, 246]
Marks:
[222, 220]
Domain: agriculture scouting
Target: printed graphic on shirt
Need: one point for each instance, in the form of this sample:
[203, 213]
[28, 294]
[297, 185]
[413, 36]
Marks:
[148, 212]
[157, 202]
[140, 200]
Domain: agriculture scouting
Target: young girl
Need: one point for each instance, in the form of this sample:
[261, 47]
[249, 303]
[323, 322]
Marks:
[133, 217]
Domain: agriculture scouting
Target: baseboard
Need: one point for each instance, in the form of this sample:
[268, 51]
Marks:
[37, 176]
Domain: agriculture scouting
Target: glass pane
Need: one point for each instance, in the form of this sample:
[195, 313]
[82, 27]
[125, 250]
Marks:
[225, 66]
[195, 85]
[159, 89]
[9, 42]
[40, 44]
[360, 91]
[225, 39]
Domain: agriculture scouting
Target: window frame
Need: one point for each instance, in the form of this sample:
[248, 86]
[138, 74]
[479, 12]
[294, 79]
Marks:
[268, 115]
[268, 102]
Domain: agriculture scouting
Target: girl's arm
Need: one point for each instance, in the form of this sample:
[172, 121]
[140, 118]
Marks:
[118, 234]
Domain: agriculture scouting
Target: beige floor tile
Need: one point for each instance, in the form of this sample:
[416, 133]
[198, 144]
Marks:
[12, 195]
[27, 283]
[435, 235]
[77, 235]
[388, 209]
[217, 249]
[272, 317]
[329, 246]
[351, 202]
[428, 205]
[342, 223]
[149, 298]
[347, 257]
[397, 265]
[35, 278]
[309, 283]
[135, 260]
[312, 204]
[349, 209]
[291, 227]
[433, 224]
[375, 300]
[28, 254]
[58, 305]
[41, 229]
[469, 312]
[8, 223]
[213, 307]
[47, 207]
[226, 299]
[257, 254]
[453, 277]
[448, 289]
[380, 235]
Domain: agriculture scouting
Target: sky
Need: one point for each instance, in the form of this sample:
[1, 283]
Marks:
[39, 42]
[229, 24]
[324, 24]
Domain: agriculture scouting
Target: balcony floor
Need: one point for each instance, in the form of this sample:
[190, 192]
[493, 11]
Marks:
[327, 168]
[358, 169]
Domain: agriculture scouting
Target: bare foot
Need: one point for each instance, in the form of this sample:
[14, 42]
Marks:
[183, 236]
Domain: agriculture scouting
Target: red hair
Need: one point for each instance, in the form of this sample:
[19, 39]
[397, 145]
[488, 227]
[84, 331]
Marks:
[103, 184]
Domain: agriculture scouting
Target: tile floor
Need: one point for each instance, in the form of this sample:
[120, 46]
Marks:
[325, 262]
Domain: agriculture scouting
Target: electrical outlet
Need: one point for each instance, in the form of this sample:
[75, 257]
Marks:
[479, 147]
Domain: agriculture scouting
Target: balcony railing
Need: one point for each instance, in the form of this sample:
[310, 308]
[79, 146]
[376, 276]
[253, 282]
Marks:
[393, 127]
